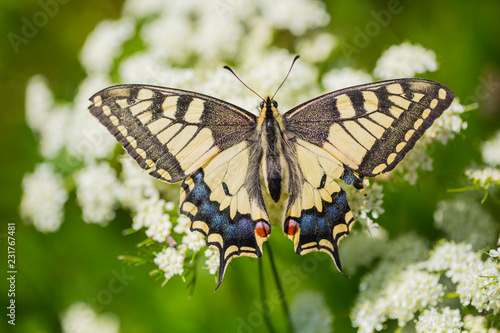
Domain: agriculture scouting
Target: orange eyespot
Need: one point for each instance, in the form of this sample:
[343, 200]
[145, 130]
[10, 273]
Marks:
[262, 229]
[291, 227]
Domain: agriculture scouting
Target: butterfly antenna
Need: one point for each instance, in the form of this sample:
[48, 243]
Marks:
[230, 69]
[286, 77]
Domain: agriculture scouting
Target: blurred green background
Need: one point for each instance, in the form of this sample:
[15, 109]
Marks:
[79, 262]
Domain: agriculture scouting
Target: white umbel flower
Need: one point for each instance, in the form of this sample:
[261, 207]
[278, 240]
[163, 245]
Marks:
[439, 321]
[48, 120]
[151, 214]
[412, 291]
[485, 178]
[491, 150]
[465, 220]
[137, 184]
[81, 318]
[147, 212]
[194, 240]
[310, 313]
[170, 261]
[213, 260]
[105, 43]
[306, 14]
[340, 78]
[182, 225]
[39, 102]
[405, 60]
[43, 198]
[160, 229]
[96, 191]
[476, 324]
[393, 291]
[88, 140]
[318, 48]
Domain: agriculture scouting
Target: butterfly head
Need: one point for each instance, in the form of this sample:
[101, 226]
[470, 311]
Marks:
[268, 109]
[268, 103]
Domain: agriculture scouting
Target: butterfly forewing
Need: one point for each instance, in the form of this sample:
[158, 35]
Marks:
[170, 132]
[371, 127]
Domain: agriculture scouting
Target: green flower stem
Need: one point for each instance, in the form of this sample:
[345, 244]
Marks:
[265, 310]
[280, 288]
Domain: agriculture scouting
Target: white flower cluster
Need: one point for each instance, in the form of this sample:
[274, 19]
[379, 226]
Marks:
[96, 191]
[477, 324]
[367, 208]
[108, 37]
[67, 125]
[339, 78]
[491, 150]
[465, 220]
[393, 291]
[136, 185]
[488, 176]
[151, 214]
[171, 261]
[44, 117]
[405, 60]
[43, 198]
[444, 321]
[377, 302]
[213, 260]
[477, 281]
[316, 49]
[484, 178]
[310, 313]
[361, 249]
[81, 318]
[404, 294]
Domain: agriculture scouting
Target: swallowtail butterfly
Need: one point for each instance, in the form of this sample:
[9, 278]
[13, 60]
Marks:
[220, 152]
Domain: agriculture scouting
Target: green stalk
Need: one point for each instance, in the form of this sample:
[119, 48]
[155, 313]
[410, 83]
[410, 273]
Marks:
[265, 311]
[280, 288]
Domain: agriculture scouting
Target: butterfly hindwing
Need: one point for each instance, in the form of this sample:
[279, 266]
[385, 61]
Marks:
[170, 132]
[370, 128]
[224, 202]
[317, 215]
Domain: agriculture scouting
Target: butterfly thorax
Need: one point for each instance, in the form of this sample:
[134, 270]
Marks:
[273, 164]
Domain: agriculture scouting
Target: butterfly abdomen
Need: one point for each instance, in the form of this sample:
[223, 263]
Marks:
[273, 162]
